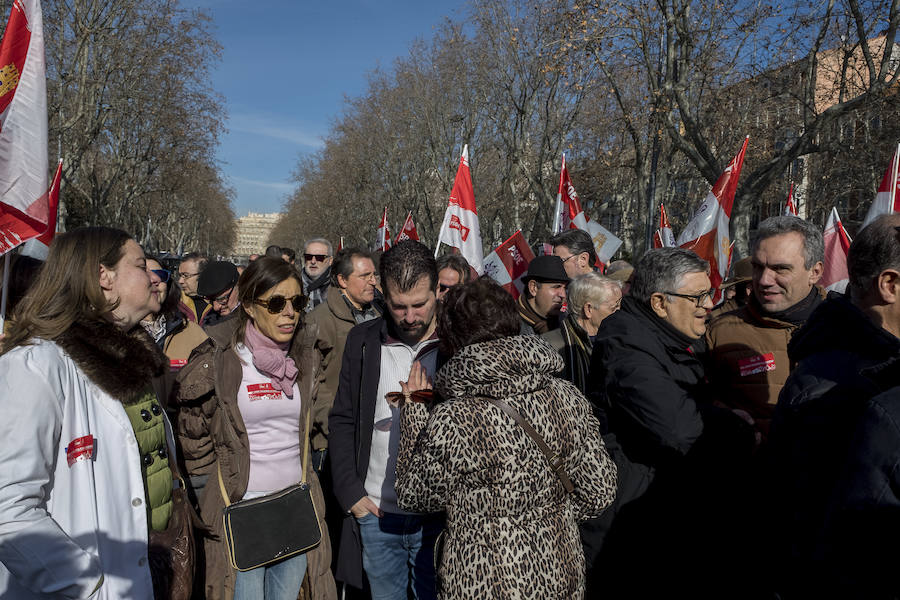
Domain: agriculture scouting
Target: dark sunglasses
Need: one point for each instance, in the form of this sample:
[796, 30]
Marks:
[420, 396]
[318, 257]
[162, 274]
[276, 304]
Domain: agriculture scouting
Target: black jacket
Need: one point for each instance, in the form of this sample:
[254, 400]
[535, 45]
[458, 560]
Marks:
[814, 420]
[650, 383]
[350, 433]
[860, 546]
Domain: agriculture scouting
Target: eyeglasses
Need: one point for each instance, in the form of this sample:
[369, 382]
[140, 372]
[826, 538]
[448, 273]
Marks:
[568, 257]
[318, 257]
[186, 275]
[223, 297]
[162, 274]
[276, 304]
[699, 299]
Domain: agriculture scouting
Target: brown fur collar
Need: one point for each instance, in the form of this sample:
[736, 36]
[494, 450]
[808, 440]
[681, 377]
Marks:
[121, 363]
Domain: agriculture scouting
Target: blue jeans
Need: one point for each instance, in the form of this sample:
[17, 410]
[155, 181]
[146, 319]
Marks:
[278, 581]
[398, 553]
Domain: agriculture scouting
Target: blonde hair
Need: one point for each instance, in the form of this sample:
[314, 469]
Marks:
[68, 287]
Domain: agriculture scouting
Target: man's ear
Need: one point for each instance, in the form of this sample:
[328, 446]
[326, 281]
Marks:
[342, 281]
[584, 259]
[658, 305]
[888, 286]
[816, 273]
[532, 287]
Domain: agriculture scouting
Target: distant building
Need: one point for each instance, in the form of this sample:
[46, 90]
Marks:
[253, 233]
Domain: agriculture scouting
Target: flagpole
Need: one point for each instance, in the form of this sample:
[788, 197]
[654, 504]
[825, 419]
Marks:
[894, 178]
[559, 194]
[5, 292]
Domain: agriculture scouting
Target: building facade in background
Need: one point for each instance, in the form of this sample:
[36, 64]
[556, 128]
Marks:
[253, 233]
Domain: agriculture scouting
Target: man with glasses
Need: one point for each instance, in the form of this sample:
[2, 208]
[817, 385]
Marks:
[649, 385]
[218, 285]
[576, 249]
[316, 272]
[749, 347]
[192, 305]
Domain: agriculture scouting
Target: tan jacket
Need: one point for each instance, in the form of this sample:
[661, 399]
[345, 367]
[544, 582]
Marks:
[180, 345]
[211, 433]
[334, 321]
[748, 361]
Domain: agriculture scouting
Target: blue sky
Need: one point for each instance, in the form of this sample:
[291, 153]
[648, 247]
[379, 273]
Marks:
[286, 67]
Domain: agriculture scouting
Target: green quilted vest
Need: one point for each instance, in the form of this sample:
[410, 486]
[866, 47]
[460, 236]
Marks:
[146, 418]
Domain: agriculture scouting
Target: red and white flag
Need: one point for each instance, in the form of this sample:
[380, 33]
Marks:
[39, 247]
[24, 210]
[887, 200]
[837, 244]
[570, 215]
[790, 209]
[341, 244]
[460, 228]
[508, 263]
[707, 233]
[383, 235]
[409, 230]
[665, 229]
[657, 239]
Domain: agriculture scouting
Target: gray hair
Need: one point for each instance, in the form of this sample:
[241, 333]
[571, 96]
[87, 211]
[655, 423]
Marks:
[577, 241]
[590, 287]
[662, 270]
[319, 241]
[813, 242]
[875, 249]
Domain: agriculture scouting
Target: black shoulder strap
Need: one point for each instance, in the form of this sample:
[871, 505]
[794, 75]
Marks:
[556, 462]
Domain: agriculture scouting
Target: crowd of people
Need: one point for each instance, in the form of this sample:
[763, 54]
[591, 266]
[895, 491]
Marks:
[620, 432]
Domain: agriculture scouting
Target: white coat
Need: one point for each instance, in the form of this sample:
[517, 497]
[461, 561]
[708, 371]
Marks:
[65, 529]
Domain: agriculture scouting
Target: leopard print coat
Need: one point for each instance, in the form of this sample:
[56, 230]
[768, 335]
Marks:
[511, 528]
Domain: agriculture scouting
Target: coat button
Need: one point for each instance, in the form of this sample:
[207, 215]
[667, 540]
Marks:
[143, 561]
[155, 409]
[137, 502]
[148, 459]
[162, 453]
[145, 414]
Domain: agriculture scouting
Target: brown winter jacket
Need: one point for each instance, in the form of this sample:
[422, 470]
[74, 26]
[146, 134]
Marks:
[334, 321]
[748, 361]
[210, 430]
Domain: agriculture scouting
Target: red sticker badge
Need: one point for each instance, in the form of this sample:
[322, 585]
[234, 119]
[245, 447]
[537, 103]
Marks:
[177, 363]
[262, 391]
[757, 364]
[80, 449]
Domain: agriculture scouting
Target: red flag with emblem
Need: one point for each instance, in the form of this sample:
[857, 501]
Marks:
[408, 232]
[460, 228]
[572, 216]
[24, 210]
[707, 233]
[39, 247]
[508, 263]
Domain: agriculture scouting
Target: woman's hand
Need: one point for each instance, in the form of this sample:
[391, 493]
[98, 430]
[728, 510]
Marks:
[418, 381]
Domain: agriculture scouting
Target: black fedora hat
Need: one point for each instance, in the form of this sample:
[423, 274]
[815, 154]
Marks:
[546, 268]
[216, 278]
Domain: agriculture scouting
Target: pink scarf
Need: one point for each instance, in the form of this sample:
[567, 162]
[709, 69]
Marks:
[271, 359]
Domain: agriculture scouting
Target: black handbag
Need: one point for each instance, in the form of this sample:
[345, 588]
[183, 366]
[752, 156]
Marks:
[273, 527]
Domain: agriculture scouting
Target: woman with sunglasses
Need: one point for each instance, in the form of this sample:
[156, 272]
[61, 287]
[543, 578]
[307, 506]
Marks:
[170, 329]
[244, 399]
